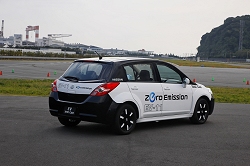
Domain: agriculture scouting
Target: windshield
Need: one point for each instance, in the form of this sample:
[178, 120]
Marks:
[86, 71]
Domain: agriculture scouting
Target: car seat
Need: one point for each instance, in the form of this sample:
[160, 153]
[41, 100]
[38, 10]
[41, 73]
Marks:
[144, 75]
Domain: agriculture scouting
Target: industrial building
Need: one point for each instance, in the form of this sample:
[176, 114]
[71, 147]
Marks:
[17, 39]
[51, 41]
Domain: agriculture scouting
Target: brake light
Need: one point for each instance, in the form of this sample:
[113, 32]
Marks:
[53, 86]
[104, 89]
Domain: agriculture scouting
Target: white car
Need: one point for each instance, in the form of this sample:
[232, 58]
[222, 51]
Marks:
[123, 91]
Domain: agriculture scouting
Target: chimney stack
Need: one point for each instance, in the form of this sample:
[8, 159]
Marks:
[1, 34]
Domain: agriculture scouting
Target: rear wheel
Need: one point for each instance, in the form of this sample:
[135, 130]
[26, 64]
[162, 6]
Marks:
[125, 119]
[201, 112]
[68, 121]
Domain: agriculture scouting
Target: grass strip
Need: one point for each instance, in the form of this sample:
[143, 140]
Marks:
[25, 87]
[37, 87]
[231, 95]
[208, 64]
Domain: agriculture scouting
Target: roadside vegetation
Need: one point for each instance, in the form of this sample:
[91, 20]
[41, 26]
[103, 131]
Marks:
[208, 64]
[36, 87]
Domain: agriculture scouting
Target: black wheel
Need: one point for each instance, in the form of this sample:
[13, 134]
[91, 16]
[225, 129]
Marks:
[68, 121]
[201, 112]
[125, 119]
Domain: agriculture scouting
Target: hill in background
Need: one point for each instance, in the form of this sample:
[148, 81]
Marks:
[224, 41]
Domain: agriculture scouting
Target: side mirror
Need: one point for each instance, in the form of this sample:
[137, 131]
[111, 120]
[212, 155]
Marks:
[185, 82]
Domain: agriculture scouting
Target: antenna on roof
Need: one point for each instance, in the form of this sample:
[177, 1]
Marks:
[100, 57]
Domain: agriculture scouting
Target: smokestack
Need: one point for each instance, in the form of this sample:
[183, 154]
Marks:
[2, 28]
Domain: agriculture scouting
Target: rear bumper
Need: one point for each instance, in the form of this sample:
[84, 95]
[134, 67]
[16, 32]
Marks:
[93, 109]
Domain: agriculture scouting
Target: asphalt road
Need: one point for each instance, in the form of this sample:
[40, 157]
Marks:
[33, 69]
[29, 135]
[208, 76]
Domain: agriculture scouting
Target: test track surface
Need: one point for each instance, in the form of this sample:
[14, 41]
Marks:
[29, 135]
[208, 76]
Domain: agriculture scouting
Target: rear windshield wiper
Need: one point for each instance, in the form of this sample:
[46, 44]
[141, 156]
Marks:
[71, 78]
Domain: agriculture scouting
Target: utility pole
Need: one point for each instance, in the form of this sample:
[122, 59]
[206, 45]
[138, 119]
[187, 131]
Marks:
[241, 34]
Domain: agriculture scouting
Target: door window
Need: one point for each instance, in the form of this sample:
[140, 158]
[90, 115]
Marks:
[168, 75]
[139, 72]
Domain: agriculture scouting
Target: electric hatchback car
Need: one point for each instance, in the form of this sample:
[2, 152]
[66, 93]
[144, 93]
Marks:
[123, 91]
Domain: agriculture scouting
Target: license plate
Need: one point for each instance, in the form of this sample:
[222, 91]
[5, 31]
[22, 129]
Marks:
[69, 110]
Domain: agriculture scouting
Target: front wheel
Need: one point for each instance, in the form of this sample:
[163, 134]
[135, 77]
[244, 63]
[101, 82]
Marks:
[68, 122]
[125, 119]
[201, 112]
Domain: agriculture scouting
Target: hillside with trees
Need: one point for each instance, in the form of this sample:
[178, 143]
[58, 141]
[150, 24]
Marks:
[223, 41]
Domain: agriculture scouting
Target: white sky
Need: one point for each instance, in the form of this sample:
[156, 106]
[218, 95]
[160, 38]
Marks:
[162, 26]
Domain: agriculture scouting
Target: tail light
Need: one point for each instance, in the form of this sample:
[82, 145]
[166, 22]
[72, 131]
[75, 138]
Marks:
[53, 86]
[104, 89]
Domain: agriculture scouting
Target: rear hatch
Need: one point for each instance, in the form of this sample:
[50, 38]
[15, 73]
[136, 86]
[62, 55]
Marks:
[81, 78]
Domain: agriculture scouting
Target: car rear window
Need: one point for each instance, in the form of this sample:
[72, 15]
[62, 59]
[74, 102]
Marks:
[85, 71]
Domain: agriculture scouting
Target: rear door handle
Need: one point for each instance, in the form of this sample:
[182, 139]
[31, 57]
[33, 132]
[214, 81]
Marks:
[134, 88]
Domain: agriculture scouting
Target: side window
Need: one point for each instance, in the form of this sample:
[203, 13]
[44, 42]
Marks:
[168, 75]
[130, 73]
[139, 72]
[119, 75]
[144, 71]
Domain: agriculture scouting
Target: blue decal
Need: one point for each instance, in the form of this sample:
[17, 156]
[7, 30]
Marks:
[152, 97]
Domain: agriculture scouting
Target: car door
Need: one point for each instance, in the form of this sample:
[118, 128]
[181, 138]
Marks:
[145, 91]
[177, 100]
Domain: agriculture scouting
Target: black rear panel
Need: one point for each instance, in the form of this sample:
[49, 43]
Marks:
[93, 109]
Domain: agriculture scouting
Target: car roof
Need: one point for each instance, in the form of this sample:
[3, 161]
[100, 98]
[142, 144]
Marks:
[123, 59]
[115, 59]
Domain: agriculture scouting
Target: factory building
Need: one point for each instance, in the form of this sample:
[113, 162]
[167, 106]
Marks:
[6, 41]
[49, 42]
[15, 40]
[18, 40]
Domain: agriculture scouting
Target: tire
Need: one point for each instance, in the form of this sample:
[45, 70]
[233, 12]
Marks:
[125, 119]
[68, 122]
[201, 112]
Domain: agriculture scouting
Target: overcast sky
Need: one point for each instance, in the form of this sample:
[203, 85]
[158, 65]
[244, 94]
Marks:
[162, 26]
